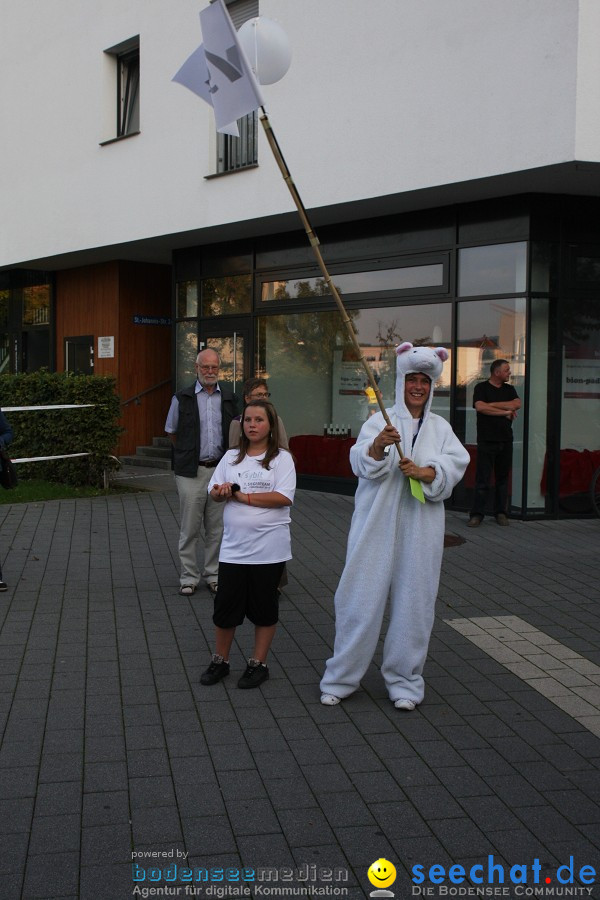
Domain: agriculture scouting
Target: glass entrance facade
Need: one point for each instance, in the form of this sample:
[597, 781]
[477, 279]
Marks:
[489, 330]
[308, 357]
[25, 321]
[483, 288]
[580, 380]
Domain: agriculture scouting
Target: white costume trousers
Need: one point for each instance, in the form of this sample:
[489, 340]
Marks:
[395, 550]
[201, 519]
[399, 563]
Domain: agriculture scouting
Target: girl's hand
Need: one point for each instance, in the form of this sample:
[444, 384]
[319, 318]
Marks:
[221, 492]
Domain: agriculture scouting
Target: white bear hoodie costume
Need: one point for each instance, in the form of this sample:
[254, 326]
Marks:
[395, 544]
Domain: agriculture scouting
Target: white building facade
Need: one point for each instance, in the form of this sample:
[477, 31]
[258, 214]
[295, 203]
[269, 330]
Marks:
[448, 152]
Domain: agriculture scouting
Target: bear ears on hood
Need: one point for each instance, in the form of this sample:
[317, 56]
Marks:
[420, 359]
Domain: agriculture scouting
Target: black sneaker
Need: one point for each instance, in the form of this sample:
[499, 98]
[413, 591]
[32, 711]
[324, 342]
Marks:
[217, 670]
[256, 672]
[3, 586]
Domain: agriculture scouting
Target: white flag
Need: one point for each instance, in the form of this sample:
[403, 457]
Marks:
[233, 87]
[219, 72]
[194, 75]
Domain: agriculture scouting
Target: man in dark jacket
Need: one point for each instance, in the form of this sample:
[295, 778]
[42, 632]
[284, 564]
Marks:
[198, 422]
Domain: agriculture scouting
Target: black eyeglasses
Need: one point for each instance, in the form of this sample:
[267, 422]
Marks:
[260, 396]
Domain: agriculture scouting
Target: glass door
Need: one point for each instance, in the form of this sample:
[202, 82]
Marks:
[79, 354]
[25, 329]
[10, 353]
[489, 330]
[232, 345]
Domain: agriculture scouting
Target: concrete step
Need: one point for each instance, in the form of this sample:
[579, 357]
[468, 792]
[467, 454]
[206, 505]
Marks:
[156, 452]
[155, 462]
[161, 442]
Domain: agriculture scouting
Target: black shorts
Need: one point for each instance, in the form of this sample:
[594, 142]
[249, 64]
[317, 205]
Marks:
[247, 591]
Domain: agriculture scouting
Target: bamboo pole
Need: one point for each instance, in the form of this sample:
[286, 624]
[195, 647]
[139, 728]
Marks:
[315, 244]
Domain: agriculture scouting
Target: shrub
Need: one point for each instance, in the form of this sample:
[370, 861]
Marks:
[92, 430]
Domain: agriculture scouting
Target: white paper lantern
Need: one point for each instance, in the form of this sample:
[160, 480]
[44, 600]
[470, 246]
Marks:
[267, 47]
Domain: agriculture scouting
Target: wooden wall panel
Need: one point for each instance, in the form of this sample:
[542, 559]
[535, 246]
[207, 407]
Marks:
[87, 302]
[101, 301]
[144, 351]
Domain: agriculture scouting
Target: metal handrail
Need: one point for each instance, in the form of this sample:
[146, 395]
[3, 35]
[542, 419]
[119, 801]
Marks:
[149, 390]
[30, 459]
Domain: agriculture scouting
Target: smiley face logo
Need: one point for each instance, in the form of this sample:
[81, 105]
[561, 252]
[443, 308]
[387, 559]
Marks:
[382, 873]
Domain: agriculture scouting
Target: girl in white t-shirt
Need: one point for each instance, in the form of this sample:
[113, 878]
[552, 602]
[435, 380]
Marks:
[257, 482]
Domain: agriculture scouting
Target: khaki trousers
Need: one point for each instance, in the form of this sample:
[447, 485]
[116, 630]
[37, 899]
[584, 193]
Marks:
[201, 520]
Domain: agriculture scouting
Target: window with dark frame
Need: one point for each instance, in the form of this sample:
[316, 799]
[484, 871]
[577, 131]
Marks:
[128, 92]
[123, 89]
[239, 152]
[234, 153]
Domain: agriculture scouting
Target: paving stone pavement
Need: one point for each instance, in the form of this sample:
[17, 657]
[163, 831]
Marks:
[111, 747]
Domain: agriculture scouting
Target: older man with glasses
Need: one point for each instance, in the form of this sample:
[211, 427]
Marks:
[198, 422]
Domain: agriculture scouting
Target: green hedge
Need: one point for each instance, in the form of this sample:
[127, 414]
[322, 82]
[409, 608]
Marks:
[94, 430]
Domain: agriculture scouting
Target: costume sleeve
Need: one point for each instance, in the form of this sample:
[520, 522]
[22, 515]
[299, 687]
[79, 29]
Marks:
[450, 464]
[285, 475]
[363, 465]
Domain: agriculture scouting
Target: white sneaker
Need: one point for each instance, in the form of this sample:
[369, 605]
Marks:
[330, 700]
[402, 703]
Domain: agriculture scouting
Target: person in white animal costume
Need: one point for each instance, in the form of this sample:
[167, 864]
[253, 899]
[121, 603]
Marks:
[395, 542]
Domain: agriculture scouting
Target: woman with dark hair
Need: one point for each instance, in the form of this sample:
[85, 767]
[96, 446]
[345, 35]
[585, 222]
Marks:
[255, 389]
[257, 482]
